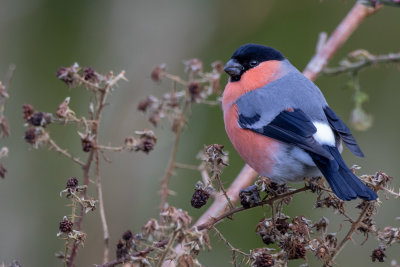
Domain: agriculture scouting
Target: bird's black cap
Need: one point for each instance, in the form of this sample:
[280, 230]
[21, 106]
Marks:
[248, 56]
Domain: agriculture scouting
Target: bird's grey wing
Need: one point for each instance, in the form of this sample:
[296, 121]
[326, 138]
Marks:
[289, 126]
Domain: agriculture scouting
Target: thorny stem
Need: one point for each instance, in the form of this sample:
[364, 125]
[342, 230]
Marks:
[95, 131]
[86, 169]
[169, 246]
[364, 62]
[106, 234]
[186, 166]
[176, 79]
[353, 228]
[221, 236]
[111, 148]
[221, 187]
[64, 152]
[171, 165]
[212, 221]
[141, 253]
[73, 216]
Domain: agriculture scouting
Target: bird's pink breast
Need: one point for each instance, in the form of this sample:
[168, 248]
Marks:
[256, 150]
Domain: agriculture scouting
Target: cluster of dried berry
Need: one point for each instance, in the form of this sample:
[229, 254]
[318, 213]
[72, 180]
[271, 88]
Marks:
[197, 89]
[174, 224]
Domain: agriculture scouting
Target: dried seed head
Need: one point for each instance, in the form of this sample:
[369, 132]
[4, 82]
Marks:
[321, 252]
[178, 217]
[155, 118]
[40, 119]
[322, 224]
[300, 226]
[144, 104]
[194, 89]
[150, 227]
[193, 65]
[127, 235]
[332, 240]
[266, 229]
[63, 109]
[31, 136]
[28, 111]
[389, 235]
[4, 127]
[185, 260]
[66, 226]
[249, 197]
[369, 225]
[147, 141]
[87, 142]
[90, 75]
[121, 251]
[268, 239]
[218, 66]
[199, 198]
[261, 258]
[277, 189]
[300, 251]
[72, 183]
[69, 75]
[282, 225]
[2, 170]
[330, 201]
[378, 254]
[215, 155]
[158, 72]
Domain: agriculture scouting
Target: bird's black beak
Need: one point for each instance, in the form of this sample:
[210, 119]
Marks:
[233, 68]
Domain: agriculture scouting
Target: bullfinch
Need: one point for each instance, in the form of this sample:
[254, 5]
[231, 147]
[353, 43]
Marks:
[281, 125]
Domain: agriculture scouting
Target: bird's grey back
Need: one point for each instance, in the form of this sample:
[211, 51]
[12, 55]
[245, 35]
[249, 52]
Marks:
[292, 90]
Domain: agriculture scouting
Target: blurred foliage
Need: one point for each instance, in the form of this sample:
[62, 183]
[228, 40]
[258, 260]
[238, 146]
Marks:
[40, 36]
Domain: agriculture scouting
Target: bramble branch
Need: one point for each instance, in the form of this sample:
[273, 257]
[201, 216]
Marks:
[360, 59]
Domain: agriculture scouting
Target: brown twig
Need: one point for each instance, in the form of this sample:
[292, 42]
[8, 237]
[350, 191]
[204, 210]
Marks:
[233, 249]
[325, 52]
[353, 228]
[110, 148]
[222, 189]
[106, 234]
[367, 60]
[96, 117]
[171, 165]
[64, 152]
[214, 220]
[86, 170]
[169, 246]
[141, 253]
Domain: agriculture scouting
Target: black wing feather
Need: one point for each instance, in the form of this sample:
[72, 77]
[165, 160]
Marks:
[292, 127]
[343, 131]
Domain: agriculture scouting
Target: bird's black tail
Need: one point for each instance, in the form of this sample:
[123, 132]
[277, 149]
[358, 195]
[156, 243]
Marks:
[343, 182]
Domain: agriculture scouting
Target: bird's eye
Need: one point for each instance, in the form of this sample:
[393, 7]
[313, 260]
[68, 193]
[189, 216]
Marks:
[253, 63]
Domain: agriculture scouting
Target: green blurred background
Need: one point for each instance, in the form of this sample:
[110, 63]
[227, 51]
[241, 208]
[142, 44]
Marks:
[40, 36]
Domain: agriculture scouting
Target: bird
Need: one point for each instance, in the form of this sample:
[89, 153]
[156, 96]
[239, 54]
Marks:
[281, 125]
